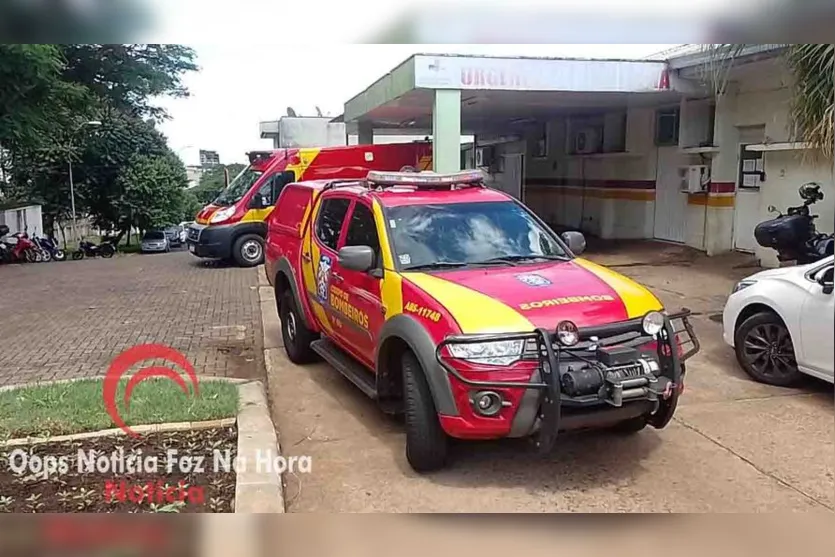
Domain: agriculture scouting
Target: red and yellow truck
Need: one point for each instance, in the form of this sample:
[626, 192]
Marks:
[233, 227]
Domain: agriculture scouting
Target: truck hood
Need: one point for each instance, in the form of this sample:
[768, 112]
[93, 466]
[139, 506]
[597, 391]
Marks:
[521, 298]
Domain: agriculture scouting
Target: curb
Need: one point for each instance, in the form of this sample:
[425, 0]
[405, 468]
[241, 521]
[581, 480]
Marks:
[200, 379]
[257, 490]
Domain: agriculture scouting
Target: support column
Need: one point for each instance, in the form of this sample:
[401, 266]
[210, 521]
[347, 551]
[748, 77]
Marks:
[365, 133]
[446, 130]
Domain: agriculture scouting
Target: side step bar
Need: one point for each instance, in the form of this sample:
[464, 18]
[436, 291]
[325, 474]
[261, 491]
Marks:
[347, 366]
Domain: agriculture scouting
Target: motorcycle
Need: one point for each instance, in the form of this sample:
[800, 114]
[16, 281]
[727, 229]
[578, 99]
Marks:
[50, 248]
[794, 235]
[89, 249]
[23, 249]
[5, 249]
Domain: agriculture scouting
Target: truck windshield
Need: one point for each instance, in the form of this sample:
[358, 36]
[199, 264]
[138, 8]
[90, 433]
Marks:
[458, 234]
[239, 186]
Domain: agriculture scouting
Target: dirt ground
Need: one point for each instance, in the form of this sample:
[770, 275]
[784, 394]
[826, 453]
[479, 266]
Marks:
[734, 445]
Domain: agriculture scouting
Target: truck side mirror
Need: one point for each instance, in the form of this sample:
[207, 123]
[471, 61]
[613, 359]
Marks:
[575, 240]
[356, 258]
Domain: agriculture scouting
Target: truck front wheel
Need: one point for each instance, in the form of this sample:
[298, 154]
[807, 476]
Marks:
[297, 337]
[248, 250]
[426, 442]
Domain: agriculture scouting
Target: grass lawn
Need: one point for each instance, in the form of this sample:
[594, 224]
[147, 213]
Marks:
[65, 408]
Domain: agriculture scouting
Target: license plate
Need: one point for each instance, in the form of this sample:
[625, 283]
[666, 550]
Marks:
[191, 248]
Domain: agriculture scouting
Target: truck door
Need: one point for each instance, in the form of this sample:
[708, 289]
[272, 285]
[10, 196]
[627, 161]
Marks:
[360, 291]
[327, 233]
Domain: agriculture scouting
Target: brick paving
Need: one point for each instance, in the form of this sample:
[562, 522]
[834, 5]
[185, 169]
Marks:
[70, 319]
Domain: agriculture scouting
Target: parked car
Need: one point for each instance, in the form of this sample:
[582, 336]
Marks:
[184, 230]
[454, 304]
[174, 235]
[155, 241]
[780, 323]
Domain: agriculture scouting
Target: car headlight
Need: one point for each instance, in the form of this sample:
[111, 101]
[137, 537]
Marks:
[496, 353]
[653, 322]
[568, 333]
[743, 284]
[222, 215]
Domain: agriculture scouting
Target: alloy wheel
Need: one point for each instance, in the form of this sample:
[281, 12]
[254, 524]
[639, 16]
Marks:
[768, 349]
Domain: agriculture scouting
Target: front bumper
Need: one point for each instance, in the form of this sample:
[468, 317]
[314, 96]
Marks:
[648, 383]
[152, 248]
[210, 241]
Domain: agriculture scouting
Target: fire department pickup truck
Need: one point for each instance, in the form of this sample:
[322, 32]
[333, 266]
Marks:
[456, 305]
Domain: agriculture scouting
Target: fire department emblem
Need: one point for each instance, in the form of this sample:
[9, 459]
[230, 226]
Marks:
[534, 280]
[323, 275]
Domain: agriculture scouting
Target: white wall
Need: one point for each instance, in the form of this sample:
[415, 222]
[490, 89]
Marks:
[33, 220]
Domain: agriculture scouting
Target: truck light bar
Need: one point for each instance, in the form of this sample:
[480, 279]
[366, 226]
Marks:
[426, 179]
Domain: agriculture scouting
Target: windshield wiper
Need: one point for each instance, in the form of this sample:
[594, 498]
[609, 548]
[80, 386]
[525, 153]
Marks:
[439, 265]
[516, 258]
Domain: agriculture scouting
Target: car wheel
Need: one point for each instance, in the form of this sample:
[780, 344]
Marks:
[297, 337]
[765, 351]
[248, 250]
[426, 442]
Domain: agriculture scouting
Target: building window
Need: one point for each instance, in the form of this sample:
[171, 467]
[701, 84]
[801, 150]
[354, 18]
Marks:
[751, 169]
[666, 126]
[541, 145]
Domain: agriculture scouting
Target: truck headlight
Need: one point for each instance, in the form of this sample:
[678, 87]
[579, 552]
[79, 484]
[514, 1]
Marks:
[496, 353]
[222, 215]
[653, 323]
[741, 285]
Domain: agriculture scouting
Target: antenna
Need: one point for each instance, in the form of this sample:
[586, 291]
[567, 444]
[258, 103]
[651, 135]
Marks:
[290, 112]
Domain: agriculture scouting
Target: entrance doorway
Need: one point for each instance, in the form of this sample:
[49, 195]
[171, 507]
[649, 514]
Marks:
[670, 201]
[747, 202]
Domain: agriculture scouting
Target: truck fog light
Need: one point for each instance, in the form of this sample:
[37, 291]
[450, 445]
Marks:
[487, 403]
[653, 323]
[567, 333]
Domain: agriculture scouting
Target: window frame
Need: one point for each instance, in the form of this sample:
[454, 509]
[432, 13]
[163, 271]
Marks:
[340, 235]
[378, 260]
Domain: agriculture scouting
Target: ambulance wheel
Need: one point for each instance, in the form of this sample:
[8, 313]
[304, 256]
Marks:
[248, 250]
[426, 442]
[297, 337]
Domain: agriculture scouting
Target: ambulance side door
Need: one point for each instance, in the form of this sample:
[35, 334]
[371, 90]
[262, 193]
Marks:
[361, 290]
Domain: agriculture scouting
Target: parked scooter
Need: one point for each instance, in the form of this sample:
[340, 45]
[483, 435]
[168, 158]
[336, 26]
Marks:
[5, 249]
[50, 248]
[21, 248]
[794, 235]
[89, 249]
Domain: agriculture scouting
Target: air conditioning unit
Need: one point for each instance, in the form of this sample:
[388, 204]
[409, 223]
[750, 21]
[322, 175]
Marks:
[587, 140]
[484, 157]
[694, 178]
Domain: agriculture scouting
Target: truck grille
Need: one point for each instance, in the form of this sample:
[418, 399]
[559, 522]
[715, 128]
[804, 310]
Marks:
[193, 234]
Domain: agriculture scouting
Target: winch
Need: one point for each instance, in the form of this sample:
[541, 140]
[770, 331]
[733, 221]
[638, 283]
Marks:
[619, 374]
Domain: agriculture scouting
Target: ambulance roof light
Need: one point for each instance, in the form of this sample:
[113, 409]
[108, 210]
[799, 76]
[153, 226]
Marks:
[426, 178]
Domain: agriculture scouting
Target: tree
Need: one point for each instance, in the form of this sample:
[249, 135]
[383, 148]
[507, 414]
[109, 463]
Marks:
[212, 182]
[813, 89]
[152, 192]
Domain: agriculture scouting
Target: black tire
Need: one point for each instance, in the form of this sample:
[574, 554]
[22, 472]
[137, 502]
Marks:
[107, 251]
[77, 255]
[248, 250]
[59, 255]
[765, 351]
[297, 337]
[426, 442]
[630, 426]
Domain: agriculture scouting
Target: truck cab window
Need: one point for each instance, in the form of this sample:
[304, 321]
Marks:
[362, 231]
[331, 216]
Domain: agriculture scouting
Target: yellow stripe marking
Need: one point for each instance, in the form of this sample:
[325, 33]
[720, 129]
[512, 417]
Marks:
[391, 287]
[473, 311]
[637, 299]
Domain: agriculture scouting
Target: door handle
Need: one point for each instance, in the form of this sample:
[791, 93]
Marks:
[337, 277]
[306, 257]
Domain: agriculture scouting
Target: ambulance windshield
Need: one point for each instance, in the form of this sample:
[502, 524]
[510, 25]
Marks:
[238, 187]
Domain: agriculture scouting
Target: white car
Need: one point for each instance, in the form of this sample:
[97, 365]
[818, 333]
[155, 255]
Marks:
[780, 323]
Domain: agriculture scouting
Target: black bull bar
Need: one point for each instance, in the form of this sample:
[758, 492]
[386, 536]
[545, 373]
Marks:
[675, 343]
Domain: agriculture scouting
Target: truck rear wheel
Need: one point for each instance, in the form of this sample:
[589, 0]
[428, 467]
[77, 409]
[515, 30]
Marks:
[426, 442]
[297, 337]
[248, 250]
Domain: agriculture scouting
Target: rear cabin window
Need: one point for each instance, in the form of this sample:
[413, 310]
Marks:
[331, 216]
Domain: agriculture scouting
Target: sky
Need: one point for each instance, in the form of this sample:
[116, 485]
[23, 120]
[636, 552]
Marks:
[240, 85]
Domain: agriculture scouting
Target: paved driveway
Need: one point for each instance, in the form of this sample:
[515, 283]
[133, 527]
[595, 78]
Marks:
[734, 445]
[70, 319]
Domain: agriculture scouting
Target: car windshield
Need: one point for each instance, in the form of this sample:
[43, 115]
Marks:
[458, 234]
[155, 235]
[239, 186]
